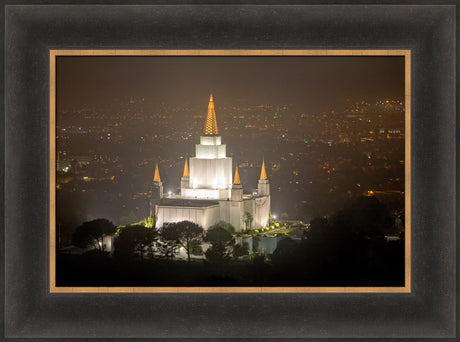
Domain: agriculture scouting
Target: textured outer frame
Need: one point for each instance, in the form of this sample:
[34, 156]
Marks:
[32, 312]
[55, 54]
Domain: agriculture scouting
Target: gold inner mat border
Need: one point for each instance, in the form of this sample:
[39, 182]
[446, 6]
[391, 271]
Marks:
[121, 52]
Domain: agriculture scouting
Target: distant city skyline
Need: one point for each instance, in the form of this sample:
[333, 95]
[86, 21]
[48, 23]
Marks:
[334, 128]
[313, 83]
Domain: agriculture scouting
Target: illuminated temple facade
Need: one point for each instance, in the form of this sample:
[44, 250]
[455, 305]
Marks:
[209, 193]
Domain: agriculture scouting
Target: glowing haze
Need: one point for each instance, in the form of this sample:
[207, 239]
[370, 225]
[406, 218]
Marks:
[312, 83]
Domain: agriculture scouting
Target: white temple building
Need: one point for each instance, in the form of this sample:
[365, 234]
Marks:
[208, 193]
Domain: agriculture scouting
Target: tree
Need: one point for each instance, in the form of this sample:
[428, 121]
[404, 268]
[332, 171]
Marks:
[286, 252]
[217, 234]
[255, 244]
[196, 248]
[240, 250]
[248, 219]
[185, 234]
[319, 230]
[350, 246]
[150, 221]
[222, 224]
[284, 217]
[221, 240]
[135, 239]
[92, 233]
[217, 253]
[367, 217]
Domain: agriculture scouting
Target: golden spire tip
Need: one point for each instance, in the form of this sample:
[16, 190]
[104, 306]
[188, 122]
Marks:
[156, 176]
[237, 181]
[263, 174]
[210, 126]
[186, 172]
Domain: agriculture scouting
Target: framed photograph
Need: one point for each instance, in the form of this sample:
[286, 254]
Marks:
[338, 134]
[237, 171]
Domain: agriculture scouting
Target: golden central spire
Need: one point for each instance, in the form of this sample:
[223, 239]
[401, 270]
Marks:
[156, 176]
[237, 181]
[210, 127]
[263, 174]
[186, 173]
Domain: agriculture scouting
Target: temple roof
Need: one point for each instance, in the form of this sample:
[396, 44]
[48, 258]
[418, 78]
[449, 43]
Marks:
[210, 127]
[237, 181]
[186, 172]
[263, 174]
[184, 202]
[156, 176]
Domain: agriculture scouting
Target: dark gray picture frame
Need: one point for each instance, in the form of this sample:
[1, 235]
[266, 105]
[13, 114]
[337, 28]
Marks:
[32, 29]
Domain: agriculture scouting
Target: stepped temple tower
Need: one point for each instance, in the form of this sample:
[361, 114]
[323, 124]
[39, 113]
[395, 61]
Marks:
[208, 192]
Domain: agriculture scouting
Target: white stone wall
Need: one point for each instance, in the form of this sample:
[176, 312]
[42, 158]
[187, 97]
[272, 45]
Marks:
[237, 193]
[236, 215]
[259, 207]
[262, 212]
[184, 183]
[205, 193]
[204, 216]
[267, 245]
[248, 206]
[210, 140]
[263, 187]
[210, 151]
[210, 173]
[107, 241]
[224, 210]
[210, 147]
[232, 212]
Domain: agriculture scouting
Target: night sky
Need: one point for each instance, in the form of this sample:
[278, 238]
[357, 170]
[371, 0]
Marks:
[311, 83]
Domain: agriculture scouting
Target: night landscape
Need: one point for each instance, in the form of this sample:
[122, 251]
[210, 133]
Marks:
[264, 171]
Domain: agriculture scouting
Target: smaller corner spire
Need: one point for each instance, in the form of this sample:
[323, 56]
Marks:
[236, 180]
[156, 176]
[263, 174]
[186, 172]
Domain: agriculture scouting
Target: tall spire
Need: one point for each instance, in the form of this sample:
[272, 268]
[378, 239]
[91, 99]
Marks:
[236, 180]
[210, 127]
[186, 173]
[156, 176]
[263, 174]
